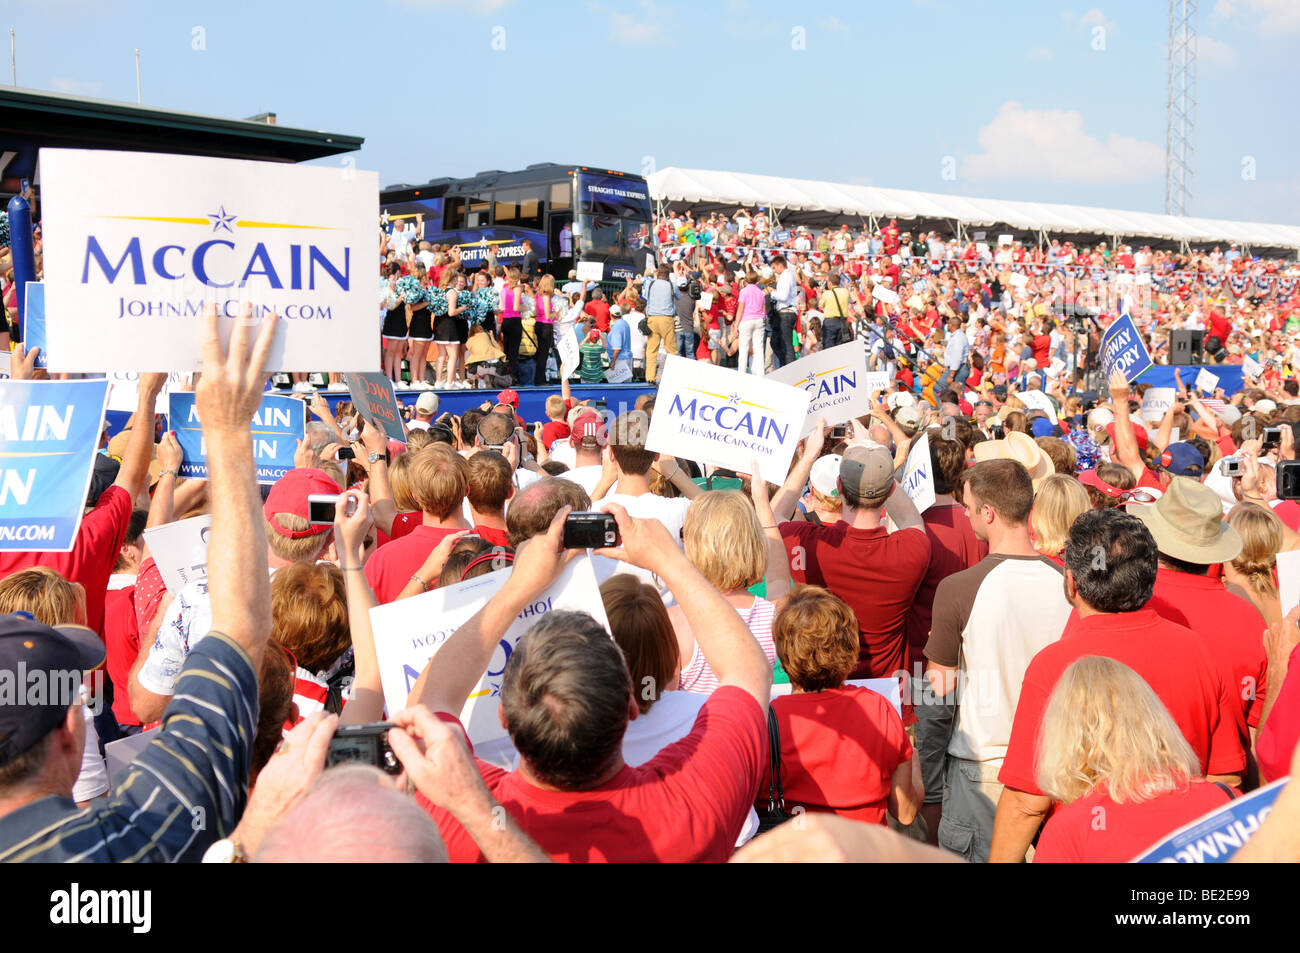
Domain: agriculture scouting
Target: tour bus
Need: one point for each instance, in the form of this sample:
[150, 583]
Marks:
[571, 213]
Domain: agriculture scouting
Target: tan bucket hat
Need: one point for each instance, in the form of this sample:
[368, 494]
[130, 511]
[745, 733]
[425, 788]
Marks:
[1021, 448]
[1187, 523]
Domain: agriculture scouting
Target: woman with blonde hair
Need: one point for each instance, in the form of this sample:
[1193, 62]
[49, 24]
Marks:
[725, 541]
[1254, 570]
[1109, 749]
[544, 325]
[1059, 501]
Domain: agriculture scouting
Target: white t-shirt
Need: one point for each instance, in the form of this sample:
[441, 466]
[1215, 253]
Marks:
[586, 477]
[670, 512]
[92, 781]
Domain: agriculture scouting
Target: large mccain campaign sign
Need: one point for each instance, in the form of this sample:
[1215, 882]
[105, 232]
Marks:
[49, 435]
[836, 382]
[726, 418]
[410, 631]
[278, 425]
[138, 244]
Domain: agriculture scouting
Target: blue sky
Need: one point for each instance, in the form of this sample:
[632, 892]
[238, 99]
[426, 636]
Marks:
[1039, 101]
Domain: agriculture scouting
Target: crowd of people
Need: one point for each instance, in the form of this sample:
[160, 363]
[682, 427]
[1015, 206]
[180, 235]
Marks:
[1086, 621]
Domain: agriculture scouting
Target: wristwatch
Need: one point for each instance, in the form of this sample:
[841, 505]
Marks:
[225, 851]
[376, 456]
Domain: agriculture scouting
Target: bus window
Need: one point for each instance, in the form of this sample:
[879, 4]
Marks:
[453, 215]
[529, 209]
[561, 195]
[480, 208]
[507, 205]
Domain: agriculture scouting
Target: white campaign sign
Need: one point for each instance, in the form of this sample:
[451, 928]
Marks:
[591, 270]
[711, 414]
[876, 381]
[887, 295]
[706, 300]
[1156, 401]
[835, 381]
[129, 269]
[567, 346]
[1251, 367]
[1288, 580]
[181, 551]
[1037, 400]
[410, 631]
[124, 390]
[1206, 382]
[918, 475]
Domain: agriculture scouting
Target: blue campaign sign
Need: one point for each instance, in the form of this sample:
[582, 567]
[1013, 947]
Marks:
[1122, 349]
[1214, 838]
[33, 330]
[49, 435]
[278, 425]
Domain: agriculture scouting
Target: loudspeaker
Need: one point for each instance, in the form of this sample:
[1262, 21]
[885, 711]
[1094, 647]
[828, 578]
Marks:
[1185, 347]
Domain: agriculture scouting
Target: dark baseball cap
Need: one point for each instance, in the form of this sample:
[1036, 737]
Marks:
[1183, 459]
[867, 470]
[45, 665]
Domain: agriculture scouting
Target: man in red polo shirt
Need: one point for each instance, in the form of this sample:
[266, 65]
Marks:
[1188, 527]
[439, 478]
[566, 698]
[1111, 563]
[598, 308]
[102, 530]
[876, 572]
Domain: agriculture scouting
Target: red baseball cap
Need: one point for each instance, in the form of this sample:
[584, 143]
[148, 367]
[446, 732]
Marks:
[289, 495]
[1139, 432]
[508, 396]
[588, 427]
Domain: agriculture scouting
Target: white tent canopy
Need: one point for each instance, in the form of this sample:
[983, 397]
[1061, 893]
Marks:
[835, 198]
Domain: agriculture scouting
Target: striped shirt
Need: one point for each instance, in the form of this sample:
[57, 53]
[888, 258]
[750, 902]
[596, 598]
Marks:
[697, 676]
[184, 792]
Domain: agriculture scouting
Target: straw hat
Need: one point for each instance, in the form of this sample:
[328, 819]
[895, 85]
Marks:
[1187, 523]
[1021, 448]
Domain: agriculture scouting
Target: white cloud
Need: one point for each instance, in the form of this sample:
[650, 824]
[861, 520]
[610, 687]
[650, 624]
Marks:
[646, 27]
[76, 87]
[1213, 51]
[1095, 17]
[1041, 53]
[1275, 16]
[1051, 145]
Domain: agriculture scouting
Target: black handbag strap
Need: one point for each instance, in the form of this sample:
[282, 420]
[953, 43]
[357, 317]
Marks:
[775, 789]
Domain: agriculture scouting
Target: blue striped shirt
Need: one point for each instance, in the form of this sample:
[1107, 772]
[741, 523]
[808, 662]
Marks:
[185, 791]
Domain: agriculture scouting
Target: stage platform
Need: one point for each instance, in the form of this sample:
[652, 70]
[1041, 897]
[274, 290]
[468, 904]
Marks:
[532, 400]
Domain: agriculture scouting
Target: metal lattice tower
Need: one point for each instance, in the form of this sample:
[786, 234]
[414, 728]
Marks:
[1180, 108]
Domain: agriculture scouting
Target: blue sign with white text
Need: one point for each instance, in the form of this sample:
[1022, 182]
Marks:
[49, 436]
[1214, 838]
[34, 320]
[1122, 350]
[278, 425]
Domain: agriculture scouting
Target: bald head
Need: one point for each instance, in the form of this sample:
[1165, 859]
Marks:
[880, 434]
[531, 511]
[353, 815]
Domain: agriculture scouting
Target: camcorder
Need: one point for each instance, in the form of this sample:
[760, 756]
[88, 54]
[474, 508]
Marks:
[364, 744]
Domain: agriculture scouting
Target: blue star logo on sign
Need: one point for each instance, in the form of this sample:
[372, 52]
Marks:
[222, 219]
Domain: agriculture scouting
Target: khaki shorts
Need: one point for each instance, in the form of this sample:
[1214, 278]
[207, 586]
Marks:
[970, 803]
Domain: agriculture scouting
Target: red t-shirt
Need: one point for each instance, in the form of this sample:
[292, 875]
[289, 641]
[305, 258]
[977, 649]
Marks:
[1288, 511]
[1042, 346]
[1229, 626]
[122, 645]
[686, 804]
[877, 573]
[93, 556]
[1277, 739]
[839, 749]
[552, 431]
[1218, 327]
[1073, 833]
[953, 547]
[600, 311]
[392, 565]
[497, 537]
[1174, 663]
[403, 523]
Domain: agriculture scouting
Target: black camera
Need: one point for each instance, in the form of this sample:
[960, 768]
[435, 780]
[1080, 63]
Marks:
[1288, 480]
[365, 744]
[1272, 438]
[590, 530]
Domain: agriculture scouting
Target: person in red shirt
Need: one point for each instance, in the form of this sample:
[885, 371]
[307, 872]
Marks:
[1188, 527]
[102, 530]
[876, 572]
[488, 486]
[555, 428]
[1042, 343]
[843, 748]
[572, 792]
[438, 478]
[1279, 722]
[598, 308]
[1111, 563]
[1110, 749]
[953, 543]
